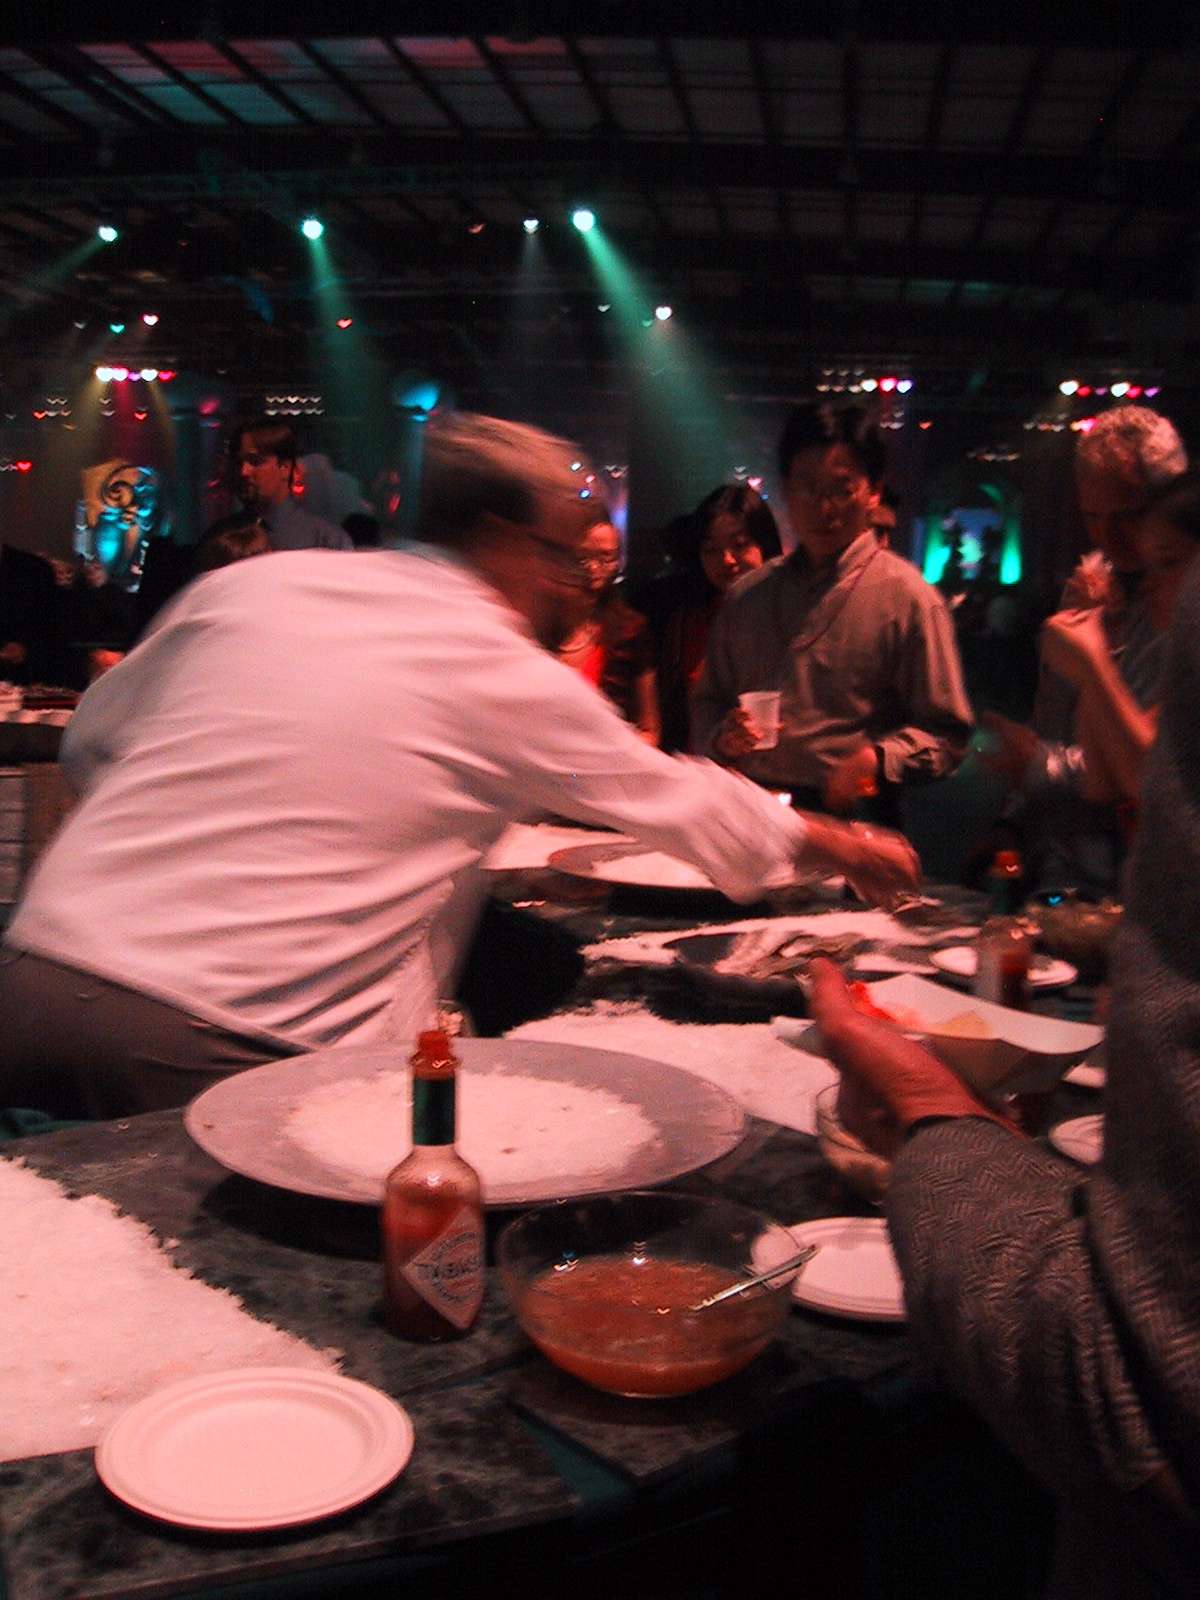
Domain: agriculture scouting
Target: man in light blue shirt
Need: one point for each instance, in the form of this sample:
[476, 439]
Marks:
[264, 457]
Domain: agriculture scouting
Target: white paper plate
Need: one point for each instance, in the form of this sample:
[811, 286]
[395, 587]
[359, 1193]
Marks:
[1082, 1139]
[1091, 1072]
[263, 1447]
[1045, 973]
[854, 1273]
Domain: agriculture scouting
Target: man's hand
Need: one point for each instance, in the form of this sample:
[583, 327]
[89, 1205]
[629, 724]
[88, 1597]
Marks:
[879, 864]
[737, 735]
[889, 1082]
[842, 786]
[1010, 755]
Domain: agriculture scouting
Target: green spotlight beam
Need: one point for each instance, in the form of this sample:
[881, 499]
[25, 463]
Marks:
[673, 373]
[347, 364]
[49, 278]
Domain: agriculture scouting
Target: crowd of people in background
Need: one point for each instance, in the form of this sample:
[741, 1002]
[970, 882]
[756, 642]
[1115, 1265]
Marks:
[730, 612]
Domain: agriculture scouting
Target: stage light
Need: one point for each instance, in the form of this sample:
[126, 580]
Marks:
[1068, 386]
[104, 374]
[869, 384]
[583, 219]
[345, 322]
[150, 318]
[606, 307]
[116, 327]
[476, 227]
[904, 385]
[531, 224]
[887, 384]
[1120, 389]
[312, 228]
[107, 233]
[664, 313]
[148, 374]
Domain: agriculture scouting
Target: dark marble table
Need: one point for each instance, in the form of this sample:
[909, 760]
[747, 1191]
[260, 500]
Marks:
[521, 1476]
[484, 1407]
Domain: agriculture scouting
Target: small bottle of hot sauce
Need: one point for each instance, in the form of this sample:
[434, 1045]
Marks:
[432, 1217]
[1005, 946]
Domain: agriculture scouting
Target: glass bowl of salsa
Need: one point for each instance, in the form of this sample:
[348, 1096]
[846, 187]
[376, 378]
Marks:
[609, 1288]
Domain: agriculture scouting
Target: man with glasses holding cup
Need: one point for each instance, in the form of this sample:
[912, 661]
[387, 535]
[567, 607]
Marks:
[858, 647]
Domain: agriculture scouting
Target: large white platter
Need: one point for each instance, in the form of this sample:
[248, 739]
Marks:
[630, 865]
[243, 1120]
[262, 1447]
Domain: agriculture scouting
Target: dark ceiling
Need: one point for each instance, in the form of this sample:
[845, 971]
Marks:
[940, 190]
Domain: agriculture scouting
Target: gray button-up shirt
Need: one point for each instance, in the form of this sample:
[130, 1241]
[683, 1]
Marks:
[864, 651]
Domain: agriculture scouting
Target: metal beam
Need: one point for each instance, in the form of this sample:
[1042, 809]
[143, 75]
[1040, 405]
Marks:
[165, 168]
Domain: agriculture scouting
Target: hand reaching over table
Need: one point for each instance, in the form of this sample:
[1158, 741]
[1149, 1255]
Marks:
[889, 1082]
[879, 864]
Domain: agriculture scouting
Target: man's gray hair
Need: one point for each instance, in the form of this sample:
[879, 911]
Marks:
[1132, 442]
[475, 466]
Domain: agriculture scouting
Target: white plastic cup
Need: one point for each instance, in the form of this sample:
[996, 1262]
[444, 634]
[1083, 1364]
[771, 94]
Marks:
[763, 706]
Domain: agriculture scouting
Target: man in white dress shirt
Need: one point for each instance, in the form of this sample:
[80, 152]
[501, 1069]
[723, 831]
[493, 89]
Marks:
[267, 858]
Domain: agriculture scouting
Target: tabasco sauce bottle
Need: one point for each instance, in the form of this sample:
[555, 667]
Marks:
[432, 1218]
[1005, 946]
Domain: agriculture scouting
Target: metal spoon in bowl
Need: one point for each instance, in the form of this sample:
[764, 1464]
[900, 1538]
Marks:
[790, 1265]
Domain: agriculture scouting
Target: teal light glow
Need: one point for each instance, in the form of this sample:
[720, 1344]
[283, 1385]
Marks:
[107, 233]
[312, 228]
[583, 219]
[1010, 558]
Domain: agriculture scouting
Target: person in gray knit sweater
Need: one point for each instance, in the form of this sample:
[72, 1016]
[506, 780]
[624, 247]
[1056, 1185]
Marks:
[1064, 1305]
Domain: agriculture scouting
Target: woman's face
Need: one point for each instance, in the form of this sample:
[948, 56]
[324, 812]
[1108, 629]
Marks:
[727, 552]
[600, 556]
[1162, 547]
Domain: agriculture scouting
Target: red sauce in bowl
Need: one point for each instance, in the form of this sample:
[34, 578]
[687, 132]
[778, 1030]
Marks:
[621, 1323]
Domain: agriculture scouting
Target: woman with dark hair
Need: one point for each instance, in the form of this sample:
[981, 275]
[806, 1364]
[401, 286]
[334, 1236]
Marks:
[730, 533]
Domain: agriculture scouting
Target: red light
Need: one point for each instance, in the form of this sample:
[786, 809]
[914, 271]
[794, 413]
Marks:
[1134, 390]
[24, 466]
[887, 384]
[165, 377]
[1084, 389]
[345, 322]
[39, 416]
[139, 416]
